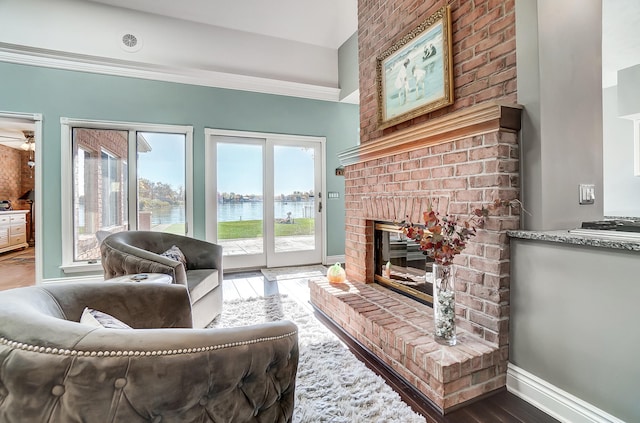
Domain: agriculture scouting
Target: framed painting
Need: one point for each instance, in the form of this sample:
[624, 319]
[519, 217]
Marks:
[415, 75]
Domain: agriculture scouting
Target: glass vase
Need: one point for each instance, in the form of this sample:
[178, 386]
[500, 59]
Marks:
[444, 304]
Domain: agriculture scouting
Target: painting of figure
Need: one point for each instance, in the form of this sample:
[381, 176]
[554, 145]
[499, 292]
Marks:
[416, 77]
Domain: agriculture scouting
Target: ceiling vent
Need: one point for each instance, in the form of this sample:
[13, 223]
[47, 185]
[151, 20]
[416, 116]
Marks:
[130, 41]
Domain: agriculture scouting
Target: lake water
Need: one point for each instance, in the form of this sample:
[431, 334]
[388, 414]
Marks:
[168, 215]
[230, 212]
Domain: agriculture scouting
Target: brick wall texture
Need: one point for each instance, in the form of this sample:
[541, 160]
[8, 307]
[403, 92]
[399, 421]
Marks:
[456, 177]
[16, 177]
[484, 52]
[467, 173]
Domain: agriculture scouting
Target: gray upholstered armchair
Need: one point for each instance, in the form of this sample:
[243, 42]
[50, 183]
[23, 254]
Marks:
[131, 252]
[55, 369]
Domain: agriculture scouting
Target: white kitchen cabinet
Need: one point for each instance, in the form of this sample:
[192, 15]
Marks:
[13, 230]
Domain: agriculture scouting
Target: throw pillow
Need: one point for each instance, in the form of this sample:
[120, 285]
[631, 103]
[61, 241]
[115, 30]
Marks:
[99, 319]
[174, 253]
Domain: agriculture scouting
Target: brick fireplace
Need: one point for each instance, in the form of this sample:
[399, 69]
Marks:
[456, 158]
[456, 163]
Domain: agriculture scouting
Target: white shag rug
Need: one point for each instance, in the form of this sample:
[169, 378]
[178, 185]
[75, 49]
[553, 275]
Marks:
[332, 384]
[300, 272]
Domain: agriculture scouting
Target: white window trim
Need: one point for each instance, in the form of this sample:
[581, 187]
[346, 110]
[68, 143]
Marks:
[66, 224]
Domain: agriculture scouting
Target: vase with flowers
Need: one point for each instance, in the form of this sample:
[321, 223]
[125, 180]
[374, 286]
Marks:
[443, 238]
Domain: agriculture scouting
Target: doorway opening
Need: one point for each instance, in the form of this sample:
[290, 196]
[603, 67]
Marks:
[20, 249]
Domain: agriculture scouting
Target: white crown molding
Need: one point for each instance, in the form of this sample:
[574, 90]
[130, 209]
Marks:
[83, 63]
[552, 400]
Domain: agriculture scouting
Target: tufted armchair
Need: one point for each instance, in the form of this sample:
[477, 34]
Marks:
[55, 369]
[131, 252]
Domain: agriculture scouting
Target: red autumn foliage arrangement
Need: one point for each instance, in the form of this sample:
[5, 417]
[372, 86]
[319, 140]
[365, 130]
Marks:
[443, 238]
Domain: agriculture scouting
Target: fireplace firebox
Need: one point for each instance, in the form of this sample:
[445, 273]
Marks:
[400, 265]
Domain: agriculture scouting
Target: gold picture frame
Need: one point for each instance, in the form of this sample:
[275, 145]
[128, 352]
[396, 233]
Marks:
[415, 75]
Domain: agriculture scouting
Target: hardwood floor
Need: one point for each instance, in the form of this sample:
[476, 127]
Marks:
[17, 268]
[501, 407]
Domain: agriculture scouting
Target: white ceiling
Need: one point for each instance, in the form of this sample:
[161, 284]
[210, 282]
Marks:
[329, 23]
[12, 132]
[325, 23]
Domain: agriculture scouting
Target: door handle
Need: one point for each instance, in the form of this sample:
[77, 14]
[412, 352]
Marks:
[320, 207]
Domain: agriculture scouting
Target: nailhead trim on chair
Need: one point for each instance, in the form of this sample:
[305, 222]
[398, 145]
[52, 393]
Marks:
[60, 351]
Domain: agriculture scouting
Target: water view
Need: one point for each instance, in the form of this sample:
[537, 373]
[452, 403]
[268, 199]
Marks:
[168, 215]
[231, 212]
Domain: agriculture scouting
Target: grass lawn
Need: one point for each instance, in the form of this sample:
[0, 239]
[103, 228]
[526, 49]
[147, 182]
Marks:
[253, 228]
[176, 228]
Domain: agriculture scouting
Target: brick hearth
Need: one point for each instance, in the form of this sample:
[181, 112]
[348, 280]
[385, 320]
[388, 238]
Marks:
[399, 330]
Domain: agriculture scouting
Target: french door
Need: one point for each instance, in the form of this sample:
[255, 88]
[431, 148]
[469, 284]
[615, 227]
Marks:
[265, 198]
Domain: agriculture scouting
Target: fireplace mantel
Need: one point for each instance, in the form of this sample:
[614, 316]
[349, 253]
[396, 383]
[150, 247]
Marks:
[468, 122]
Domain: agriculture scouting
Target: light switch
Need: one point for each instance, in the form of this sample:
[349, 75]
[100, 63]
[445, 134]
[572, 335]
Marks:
[333, 194]
[587, 193]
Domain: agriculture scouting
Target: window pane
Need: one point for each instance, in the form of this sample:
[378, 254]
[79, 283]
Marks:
[99, 187]
[294, 204]
[240, 208]
[161, 182]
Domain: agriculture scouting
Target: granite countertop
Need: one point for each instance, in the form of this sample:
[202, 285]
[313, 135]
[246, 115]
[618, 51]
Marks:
[592, 238]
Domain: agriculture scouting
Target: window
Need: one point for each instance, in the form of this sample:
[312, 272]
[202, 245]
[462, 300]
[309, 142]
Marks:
[122, 177]
[112, 190]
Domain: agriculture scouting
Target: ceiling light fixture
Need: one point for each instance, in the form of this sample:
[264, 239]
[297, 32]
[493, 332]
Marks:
[30, 146]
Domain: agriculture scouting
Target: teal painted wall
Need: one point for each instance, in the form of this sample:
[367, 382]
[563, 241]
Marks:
[59, 93]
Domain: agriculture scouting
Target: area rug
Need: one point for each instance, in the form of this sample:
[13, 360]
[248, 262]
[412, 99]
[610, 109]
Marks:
[284, 273]
[332, 385]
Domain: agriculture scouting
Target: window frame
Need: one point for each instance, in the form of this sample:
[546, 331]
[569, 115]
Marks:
[66, 136]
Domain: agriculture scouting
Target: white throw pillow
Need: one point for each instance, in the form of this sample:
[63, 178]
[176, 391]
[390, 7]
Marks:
[88, 319]
[100, 319]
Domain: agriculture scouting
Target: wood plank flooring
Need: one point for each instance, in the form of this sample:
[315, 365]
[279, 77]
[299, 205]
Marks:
[501, 407]
[17, 268]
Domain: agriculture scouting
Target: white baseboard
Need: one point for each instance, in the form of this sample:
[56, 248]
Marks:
[334, 259]
[552, 400]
